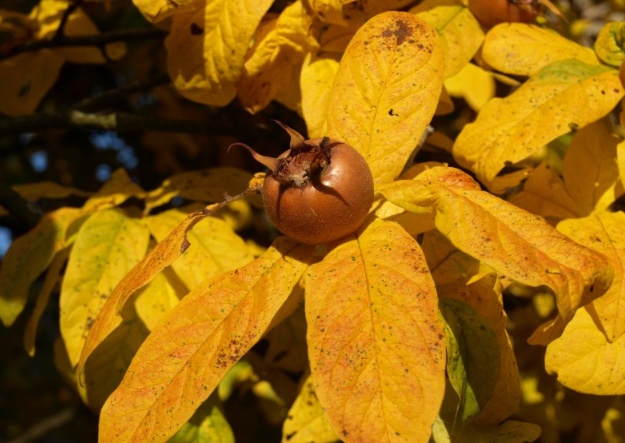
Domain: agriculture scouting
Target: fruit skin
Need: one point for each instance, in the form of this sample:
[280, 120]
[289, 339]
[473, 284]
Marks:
[492, 12]
[332, 204]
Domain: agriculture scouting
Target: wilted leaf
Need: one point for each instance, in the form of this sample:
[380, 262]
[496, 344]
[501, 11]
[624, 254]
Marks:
[272, 61]
[208, 425]
[28, 256]
[26, 78]
[183, 360]
[114, 192]
[107, 246]
[545, 194]
[461, 34]
[524, 49]
[316, 81]
[386, 90]
[159, 297]
[157, 10]
[306, 421]
[372, 317]
[589, 169]
[610, 43]
[206, 48]
[473, 84]
[514, 242]
[216, 247]
[561, 96]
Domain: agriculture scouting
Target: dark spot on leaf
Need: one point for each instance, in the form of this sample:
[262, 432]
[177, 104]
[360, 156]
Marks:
[196, 30]
[25, 90]
[401, 32]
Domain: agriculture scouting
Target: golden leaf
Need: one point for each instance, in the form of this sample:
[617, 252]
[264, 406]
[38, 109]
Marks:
[330, 11]
[306, 422]
[183, 360]
[372, 315]
[473, 84]
[206, 48]
[610, 43]
[107, 246]
[523, 49]
[511, 129]
[273, 60]
[386, 90]
[158, 10]
[461, 34]
[316, 81]
[207, 425]
[155, 300]
[514, 242]
[28, 256]
[46, 189]
[114, 192]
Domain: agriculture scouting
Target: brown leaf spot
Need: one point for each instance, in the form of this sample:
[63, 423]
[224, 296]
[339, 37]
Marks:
[196, 30]
[401, 31]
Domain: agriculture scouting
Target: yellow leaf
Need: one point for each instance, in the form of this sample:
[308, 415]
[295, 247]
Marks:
[287, 343]
[157, 10]
[107, 246]
[589, 169]
[26, 78]
[461, 34]
[545, 194]
[604, 233]
[514, 242]
[330, 11]
[116, 191]
[215, 247]
[523, 49]
[52, 277]
[46, 189]
[473, 84]
[509, 130]
[183, 360]
[306, 421]
[272, 62]
[159, 297]
[610, 43]
[613, 425]
[386, 90]
[208, 425]
[28, 256]
[207, 186]
[510, 431]
[372, 316]
[206, 47]
[316, 81]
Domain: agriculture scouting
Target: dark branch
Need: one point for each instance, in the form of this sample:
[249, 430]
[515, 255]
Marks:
[60, 32]
[99, 40]
[18, 207]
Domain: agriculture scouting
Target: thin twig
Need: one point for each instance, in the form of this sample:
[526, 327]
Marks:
[18, 207]
[99, 40]
[60, 32]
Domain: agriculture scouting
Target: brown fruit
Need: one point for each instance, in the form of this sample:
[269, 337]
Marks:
[492, 12]
[318, 191]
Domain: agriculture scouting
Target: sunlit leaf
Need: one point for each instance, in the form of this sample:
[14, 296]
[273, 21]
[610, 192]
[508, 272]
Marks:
[114, 192]
[216, 247]
[287, 343]
[610, 43]
[372, 316]
[273, 60]
[473, 84]
[316, 81]
[461, 34]
[206, 48]
[44, 190]
[28, 256]
[511, 129]
[514, 242]
[107, 246]
[386, 90]
[157, 10]
[306, 421]
[183, 360]
[524, 49]
[330, 11]
[208, 425]
[159, 297]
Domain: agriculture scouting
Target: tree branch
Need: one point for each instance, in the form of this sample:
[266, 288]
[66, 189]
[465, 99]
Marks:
[18, 207]
[99, 40]
[60, 32]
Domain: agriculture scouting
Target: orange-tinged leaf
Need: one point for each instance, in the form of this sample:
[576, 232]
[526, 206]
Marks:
[509, 130]
[107, 246]
[206, 48]
[216, 247]
[473, 84]
[28, 256]
[461, 34]
[376, 343]
[545, 194]
[514, 242]
[604, 233]
[523, 49]
[159, 297]
[26, 78]
[52, 277]
[316, 81]
[386, 90]
[114, 192]
[157, 10]
[610, 43]
[306, 422]
[184, 359]
[589, 169]
[273, 60]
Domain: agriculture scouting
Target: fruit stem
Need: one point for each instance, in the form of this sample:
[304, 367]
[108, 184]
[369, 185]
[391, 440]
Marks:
[270, 162]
